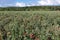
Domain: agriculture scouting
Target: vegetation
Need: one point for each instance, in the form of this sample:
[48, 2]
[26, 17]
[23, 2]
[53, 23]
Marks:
[29, 25]
[32, 8]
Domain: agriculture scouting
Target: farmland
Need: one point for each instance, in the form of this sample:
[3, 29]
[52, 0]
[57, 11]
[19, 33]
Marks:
[29, 25]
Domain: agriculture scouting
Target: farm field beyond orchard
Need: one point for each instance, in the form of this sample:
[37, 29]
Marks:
[29, 25]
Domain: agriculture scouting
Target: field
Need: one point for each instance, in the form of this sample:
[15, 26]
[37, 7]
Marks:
[29, 25]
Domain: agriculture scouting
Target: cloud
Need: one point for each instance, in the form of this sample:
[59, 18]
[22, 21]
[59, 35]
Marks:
[49, 2]
[58, 1]
[20, 4]
[17, 3]
[31, 4]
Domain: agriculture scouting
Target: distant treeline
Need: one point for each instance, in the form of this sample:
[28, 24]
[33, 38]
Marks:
[32, 8]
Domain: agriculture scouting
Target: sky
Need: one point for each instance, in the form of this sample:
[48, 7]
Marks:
[23, 3]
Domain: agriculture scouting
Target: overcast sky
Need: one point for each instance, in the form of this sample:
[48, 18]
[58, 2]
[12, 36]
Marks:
[22, 3]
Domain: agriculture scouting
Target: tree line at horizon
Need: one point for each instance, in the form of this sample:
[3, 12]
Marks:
[32, 8]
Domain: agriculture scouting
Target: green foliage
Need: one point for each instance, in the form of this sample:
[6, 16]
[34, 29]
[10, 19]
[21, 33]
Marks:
[31, 8]
[30, 25]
